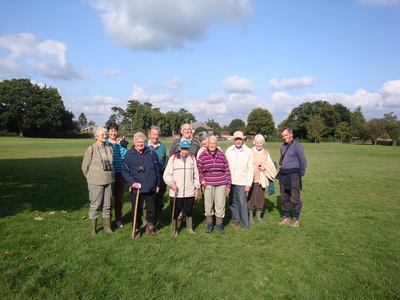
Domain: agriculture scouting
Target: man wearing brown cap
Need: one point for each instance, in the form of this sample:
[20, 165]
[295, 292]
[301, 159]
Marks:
[240, 158]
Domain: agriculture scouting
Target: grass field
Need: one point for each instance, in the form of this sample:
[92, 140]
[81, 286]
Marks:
[346, 248]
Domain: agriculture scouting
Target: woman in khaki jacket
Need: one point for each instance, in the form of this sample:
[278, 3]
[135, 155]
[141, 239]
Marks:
[97, 166]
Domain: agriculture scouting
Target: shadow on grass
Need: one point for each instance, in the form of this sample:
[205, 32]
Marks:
[42, 184]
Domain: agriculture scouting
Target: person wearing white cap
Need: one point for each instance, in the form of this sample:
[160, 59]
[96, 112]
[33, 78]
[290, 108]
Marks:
[240, 158]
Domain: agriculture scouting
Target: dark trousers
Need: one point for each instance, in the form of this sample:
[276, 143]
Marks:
[149, 200]
[159, 204]
[256, 197]
[118, 195]
[293, 193]
[182, 204]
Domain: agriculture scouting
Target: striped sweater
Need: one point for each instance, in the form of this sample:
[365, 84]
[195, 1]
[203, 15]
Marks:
[214, 170]
[119, 154]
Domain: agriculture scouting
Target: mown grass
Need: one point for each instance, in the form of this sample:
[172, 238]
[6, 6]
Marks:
[346, 248]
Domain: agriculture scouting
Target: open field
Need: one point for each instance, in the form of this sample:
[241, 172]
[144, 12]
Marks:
[348, 245]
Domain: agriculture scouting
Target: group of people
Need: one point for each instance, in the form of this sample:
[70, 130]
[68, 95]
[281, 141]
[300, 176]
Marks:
[191, 167]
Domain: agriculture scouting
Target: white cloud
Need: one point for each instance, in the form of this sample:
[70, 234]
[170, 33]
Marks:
[173, 84]
[139, 93]
[391, 93]
[236, 84]
[48, 57]
[154, 25]
[379, 2]
[292, 83]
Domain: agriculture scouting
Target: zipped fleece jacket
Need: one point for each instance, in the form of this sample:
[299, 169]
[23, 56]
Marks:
[150, 178]
[242, 169]
[184, 173]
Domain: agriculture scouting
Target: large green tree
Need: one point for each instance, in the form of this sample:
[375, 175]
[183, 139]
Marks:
[392, 126]
[301, 115]
[82, 119]
[315, 127]
[357, 125]
[235, 125]
[29, 109]
[375, 128]
[260, 121]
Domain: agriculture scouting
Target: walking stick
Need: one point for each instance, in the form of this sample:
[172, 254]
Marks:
[136, 206]
[173, 213]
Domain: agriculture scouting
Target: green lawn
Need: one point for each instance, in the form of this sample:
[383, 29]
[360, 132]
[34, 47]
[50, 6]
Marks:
[346, 248]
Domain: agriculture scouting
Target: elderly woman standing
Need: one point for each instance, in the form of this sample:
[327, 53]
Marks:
[97, 166]
[263, 166]
[140, 171]
[215, 178]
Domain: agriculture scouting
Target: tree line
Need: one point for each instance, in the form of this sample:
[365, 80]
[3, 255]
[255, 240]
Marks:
[31, 110]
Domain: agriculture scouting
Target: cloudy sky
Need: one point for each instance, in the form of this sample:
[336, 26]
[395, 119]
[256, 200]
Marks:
[216, 59]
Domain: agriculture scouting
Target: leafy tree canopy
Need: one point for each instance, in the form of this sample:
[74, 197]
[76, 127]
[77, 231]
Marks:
[29, 109]
[260, 121]
[235, 125]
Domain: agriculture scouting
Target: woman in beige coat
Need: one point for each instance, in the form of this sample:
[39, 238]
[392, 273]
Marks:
[262, 163]
[97, 166]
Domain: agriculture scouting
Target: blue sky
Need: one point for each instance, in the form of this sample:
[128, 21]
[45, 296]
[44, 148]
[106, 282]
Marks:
[216, 59]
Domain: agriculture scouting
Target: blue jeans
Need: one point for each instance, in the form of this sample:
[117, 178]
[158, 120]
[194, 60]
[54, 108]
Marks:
[238, 205]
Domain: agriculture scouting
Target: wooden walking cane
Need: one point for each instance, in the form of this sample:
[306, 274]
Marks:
[136, 206]
[173, 213]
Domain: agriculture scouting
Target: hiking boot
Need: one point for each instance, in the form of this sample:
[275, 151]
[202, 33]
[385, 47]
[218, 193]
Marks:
[251, 217]
[220, 228]
[150, 231]
[119, 224]
[295, 223]
[209, 227]
[258, 217]
[284, 221]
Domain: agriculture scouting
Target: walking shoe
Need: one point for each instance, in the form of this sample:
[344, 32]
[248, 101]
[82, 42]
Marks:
[295, 223]
[137, 234]
[119, 224]
[284, 221]
[245, 228]
[150, 231]
[220, 228]
[235, 224]
[209, 227]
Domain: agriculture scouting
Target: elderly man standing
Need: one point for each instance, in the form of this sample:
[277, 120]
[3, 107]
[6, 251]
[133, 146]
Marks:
[186, 131]
[141, 173]
[293, 166]
[240, 158]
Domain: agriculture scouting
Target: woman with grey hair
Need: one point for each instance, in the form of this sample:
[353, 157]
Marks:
[97, 166]
[262, 162]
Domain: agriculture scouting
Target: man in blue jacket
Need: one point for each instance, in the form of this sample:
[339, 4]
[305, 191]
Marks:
[140, 171]
[293, 166]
